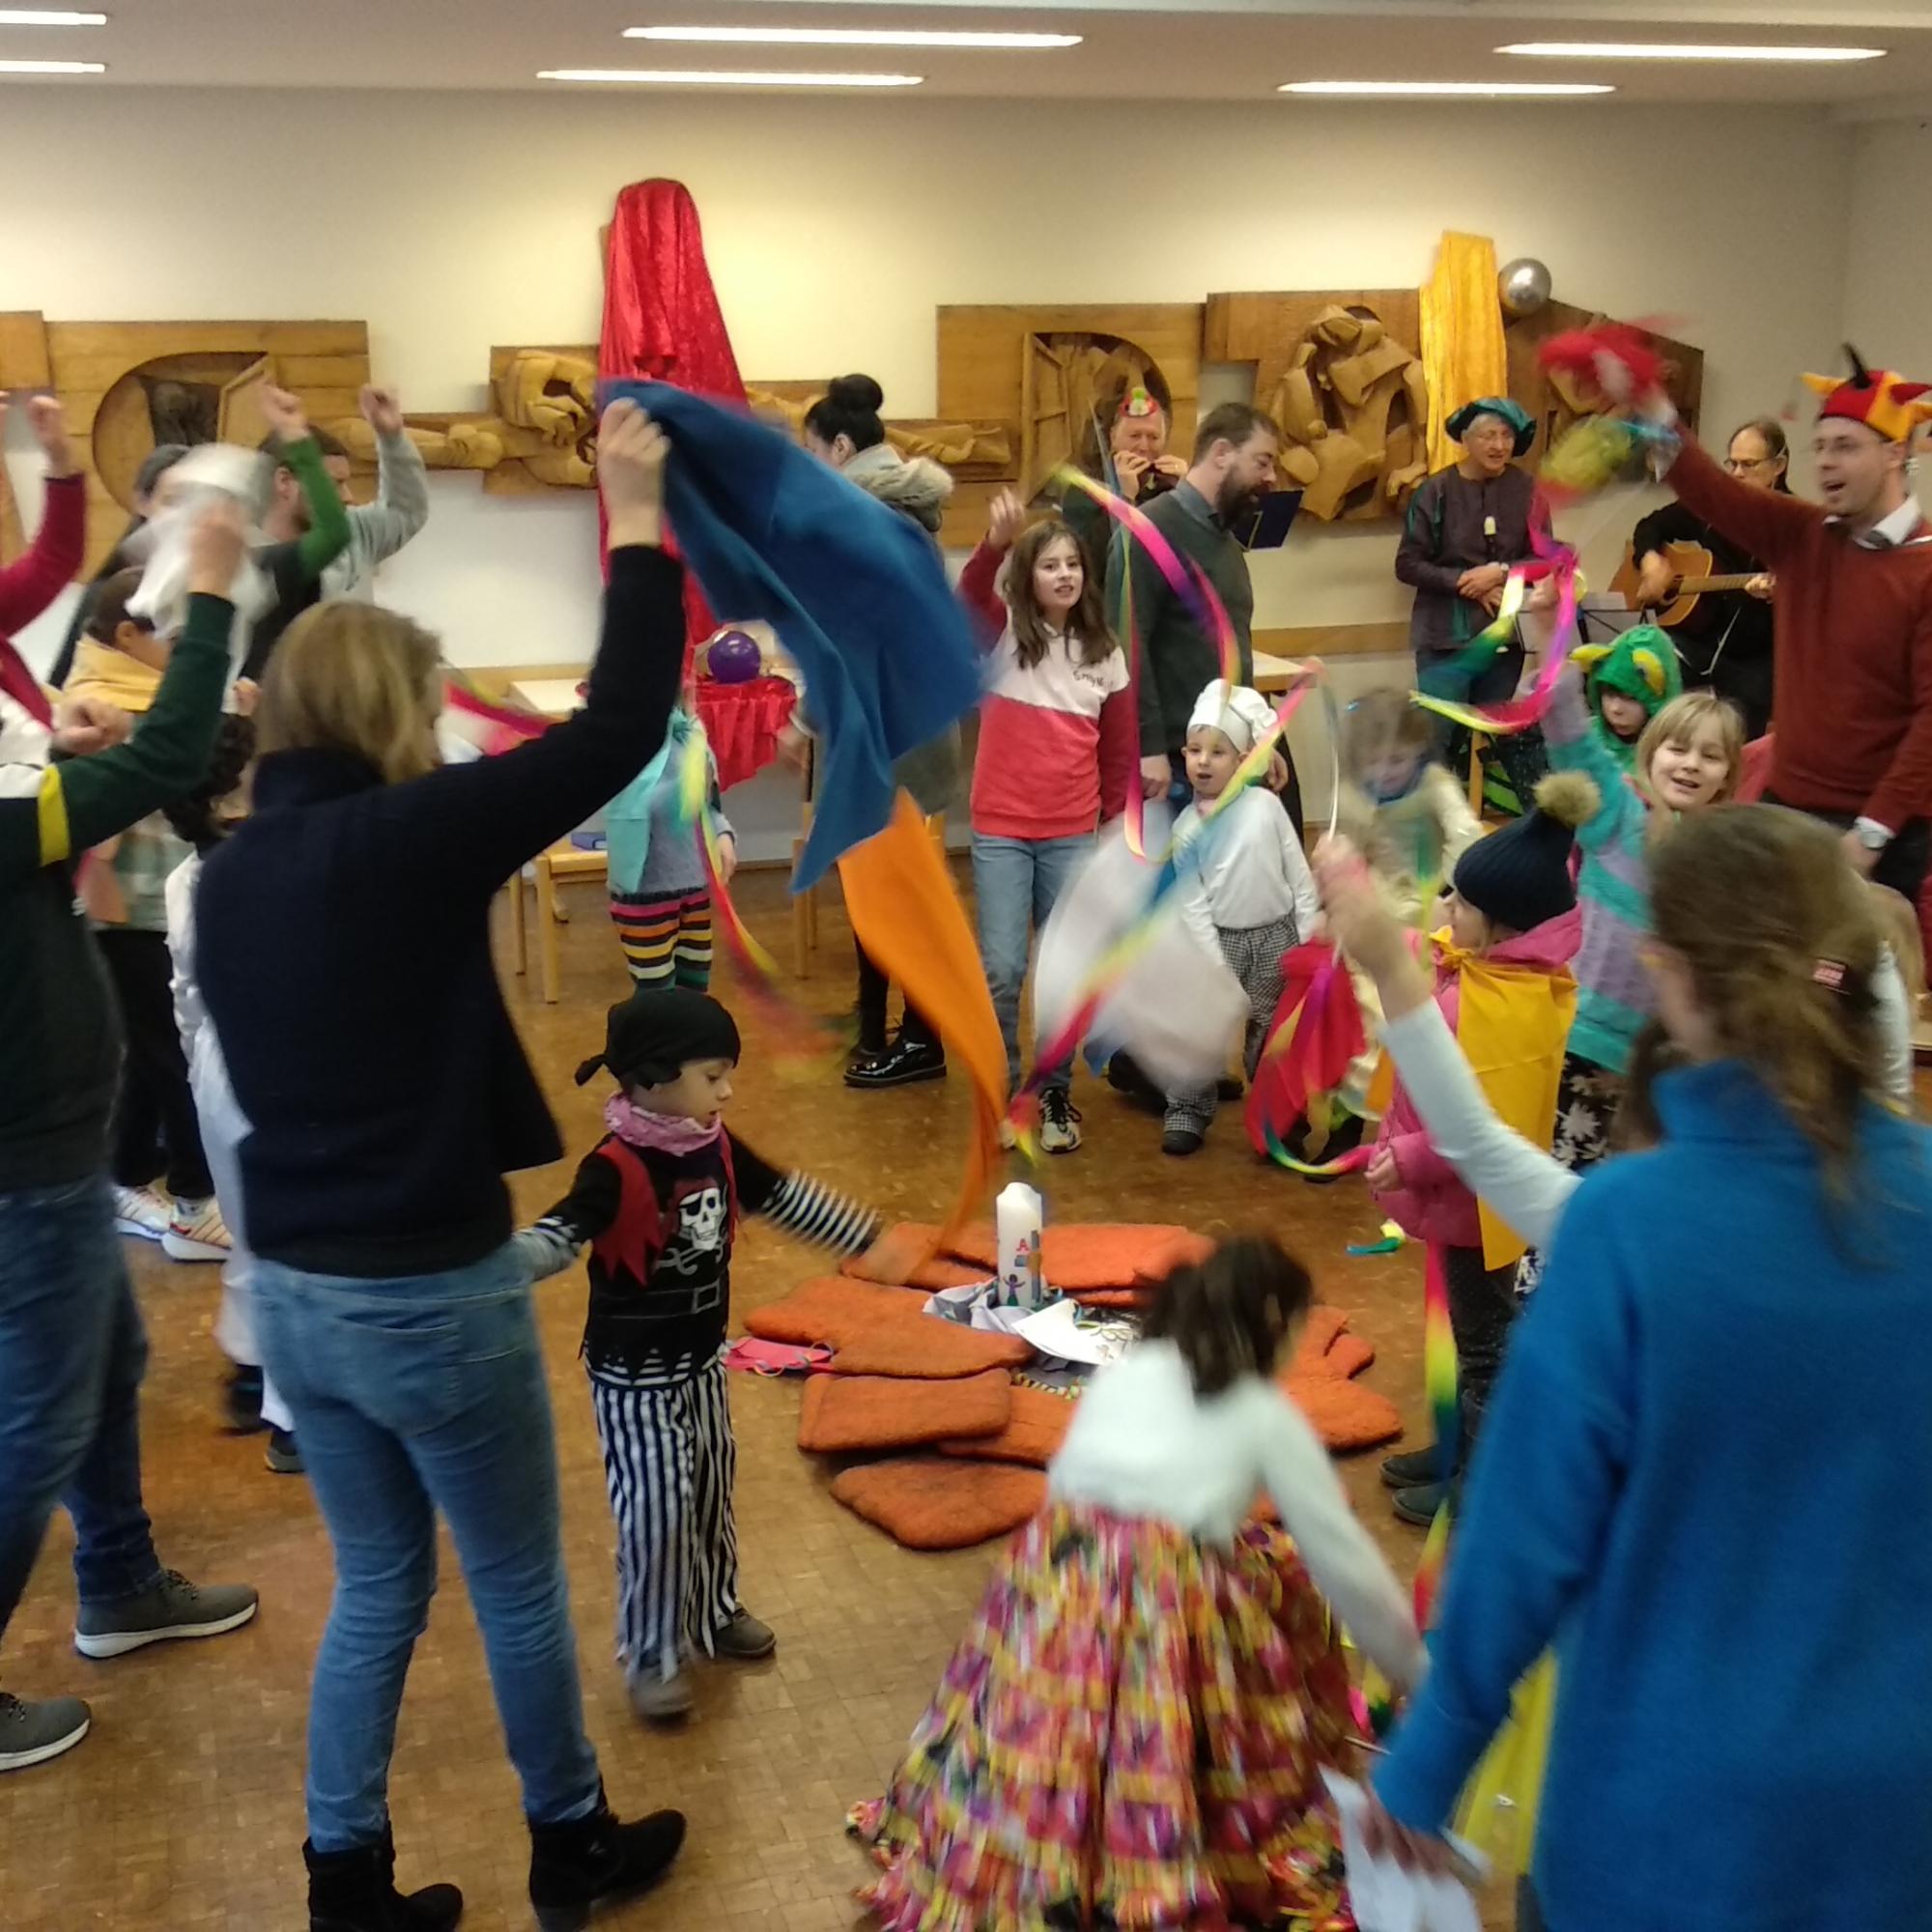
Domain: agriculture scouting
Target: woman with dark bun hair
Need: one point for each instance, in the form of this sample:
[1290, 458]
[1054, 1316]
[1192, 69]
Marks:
[843, 429]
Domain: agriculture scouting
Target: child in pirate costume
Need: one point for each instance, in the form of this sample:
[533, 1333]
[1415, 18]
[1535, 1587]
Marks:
[656, 1202]
[1627, 683]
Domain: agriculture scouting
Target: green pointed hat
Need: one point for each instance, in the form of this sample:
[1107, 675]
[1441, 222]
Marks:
[1641, 663]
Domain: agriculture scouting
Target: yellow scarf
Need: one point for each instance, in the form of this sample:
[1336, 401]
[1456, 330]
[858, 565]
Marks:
[102, 671]
[1512, 1022]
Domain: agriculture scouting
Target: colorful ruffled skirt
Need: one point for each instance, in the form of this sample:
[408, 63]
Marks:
[1131, 1734]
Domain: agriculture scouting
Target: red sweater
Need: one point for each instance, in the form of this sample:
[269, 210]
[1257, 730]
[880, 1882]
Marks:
[31, 583]
[1852, 710]
[1057, 740]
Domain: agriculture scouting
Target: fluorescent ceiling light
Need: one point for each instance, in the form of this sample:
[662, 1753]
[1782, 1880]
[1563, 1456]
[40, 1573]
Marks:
[638, 76]
[1461, 89]
[1662, 50]
[846, 36]
[53, 66]
[48, 17]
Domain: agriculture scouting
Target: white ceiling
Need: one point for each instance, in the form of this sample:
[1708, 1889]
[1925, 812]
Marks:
[1133, 50]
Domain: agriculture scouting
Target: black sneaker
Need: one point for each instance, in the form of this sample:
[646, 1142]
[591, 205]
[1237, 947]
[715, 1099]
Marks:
[32, 1733]
[171, 1606]
[1182, 1141]
[899, 1065]
[1414, 1468]
[580, 1865]
[283, 1456]
[1059, 1122]
[243, 1401]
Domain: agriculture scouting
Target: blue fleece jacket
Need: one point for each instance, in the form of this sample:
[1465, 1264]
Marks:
[856, 592]
[1704, 1475]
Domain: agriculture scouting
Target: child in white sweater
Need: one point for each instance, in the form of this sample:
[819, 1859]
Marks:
[1243, 880]
[1133, 1730]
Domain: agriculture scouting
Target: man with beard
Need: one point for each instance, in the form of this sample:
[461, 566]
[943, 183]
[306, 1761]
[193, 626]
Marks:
[1142, 469]
[1233, 464]
[1466, 524]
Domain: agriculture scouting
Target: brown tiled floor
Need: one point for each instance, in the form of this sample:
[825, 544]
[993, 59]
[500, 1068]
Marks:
[184, 1808]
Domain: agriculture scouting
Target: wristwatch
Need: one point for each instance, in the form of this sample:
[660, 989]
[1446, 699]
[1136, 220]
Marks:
[1871, 835]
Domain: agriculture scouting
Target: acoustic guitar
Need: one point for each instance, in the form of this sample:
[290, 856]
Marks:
[1690, 580]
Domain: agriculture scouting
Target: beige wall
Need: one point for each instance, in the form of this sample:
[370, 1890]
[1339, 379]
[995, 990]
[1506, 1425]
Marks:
[1888, 266]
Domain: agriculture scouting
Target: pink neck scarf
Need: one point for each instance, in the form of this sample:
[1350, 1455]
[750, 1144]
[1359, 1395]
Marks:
[668, 1133]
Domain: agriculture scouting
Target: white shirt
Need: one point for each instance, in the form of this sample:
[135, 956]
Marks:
[1249, 869]
[1888, 532]
[1143, 1443]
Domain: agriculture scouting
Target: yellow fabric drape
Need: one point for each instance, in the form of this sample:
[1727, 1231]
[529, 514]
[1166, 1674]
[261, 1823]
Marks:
[1463, 352]
[908, 918]
[102, 671]
[1501, 1801]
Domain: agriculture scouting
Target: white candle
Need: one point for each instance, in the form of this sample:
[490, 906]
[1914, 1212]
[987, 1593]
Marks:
[1017, 1215]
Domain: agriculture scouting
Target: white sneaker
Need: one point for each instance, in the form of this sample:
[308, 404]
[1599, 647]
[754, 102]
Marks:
[196, 1233]
[140, 1211]
[1059, 1122]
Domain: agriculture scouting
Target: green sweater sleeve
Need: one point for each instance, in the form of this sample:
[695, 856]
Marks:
[327, 534]
[79, 802]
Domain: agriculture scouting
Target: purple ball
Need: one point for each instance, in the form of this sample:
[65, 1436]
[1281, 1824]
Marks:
[735, 658]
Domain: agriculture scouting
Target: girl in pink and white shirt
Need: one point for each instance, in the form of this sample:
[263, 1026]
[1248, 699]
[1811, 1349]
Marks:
[1058, 751]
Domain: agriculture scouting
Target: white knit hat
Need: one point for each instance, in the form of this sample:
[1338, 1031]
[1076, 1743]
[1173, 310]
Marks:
[1244, 716]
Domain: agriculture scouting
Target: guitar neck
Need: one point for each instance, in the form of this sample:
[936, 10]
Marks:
[1702, 587]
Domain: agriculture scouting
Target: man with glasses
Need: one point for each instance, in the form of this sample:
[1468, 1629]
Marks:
[1852, 739]
[1466, 525]
[1724, 640]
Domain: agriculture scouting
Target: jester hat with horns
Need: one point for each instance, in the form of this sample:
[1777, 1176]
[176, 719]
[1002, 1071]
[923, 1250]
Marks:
[1879, 398]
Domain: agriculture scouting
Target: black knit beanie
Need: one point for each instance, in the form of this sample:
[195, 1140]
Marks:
[1520, 876]
[651, 1036]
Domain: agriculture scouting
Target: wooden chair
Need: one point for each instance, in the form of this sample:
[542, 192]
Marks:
[566, 861]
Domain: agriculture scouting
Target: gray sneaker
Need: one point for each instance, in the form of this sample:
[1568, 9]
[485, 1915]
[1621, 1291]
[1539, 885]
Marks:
[170, 1607]
[744, 1640]
[32, 1733]
[661, 1701]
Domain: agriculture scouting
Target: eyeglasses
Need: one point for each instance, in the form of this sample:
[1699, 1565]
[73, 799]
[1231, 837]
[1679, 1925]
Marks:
[1734, 463]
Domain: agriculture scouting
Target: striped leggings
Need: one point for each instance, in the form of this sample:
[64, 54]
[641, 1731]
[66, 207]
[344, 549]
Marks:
[669, 1462]
[666, 938]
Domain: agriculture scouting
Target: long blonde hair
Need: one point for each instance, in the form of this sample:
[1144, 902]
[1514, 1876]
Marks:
[1781, 942]
[351, 677]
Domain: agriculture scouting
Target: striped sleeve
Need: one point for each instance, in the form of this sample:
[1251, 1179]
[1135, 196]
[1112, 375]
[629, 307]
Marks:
[815, 1213]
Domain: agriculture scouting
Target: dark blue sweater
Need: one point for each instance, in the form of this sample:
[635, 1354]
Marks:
[1704, 1475]
[344, 941]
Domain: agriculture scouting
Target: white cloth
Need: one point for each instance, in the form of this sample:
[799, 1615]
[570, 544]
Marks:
[1894, 1024]
[1383, 1897]
[223, 1128]
[1143, 1443]
[1240, 715]
[1888, 532]
[1178, 1042]
[214, 471]
[1242, 869]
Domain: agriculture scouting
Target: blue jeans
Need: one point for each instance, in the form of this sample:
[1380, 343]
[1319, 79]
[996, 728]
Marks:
[1015, 882]
[412, 1397]
[73, 1351]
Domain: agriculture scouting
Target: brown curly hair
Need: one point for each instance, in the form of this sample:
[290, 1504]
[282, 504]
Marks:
[1229, 1315]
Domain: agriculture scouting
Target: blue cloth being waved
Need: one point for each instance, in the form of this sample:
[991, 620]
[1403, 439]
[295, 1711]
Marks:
[856, 593]
[1703, 1475]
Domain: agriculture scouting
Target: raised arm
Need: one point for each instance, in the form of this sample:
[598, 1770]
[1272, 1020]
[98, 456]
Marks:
[979, 581]
[1766, 522]
[1575, 745]
[75, 802]
[31, 583]
[479, 822]
[1346, 1566]
[378, 530]
[327, 534]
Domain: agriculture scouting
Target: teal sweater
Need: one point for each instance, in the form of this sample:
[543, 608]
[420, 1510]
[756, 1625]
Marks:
[1613, 992]
[1716, 1514]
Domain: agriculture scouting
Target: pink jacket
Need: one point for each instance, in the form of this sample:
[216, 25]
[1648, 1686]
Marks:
[1428, 1202]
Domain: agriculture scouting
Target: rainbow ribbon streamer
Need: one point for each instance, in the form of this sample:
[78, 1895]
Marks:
[1438, 1382]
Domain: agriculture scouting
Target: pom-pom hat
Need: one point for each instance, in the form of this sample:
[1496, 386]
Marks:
[1519, 877]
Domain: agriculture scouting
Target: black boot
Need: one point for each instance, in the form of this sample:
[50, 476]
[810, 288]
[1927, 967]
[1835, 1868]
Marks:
[356, 1891]
[578, 1866]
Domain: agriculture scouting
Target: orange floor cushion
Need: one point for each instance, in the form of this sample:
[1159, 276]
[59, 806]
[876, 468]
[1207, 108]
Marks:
[844, 1414]
[882, 1331]
[1345, 1415]
[928, 1502]
[1036, 1425]
[941, 1271]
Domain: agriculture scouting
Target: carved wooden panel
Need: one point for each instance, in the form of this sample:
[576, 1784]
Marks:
[1341, 372]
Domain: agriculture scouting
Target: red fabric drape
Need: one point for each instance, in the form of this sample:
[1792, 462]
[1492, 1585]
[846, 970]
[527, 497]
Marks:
[662, 322]
[741, 723]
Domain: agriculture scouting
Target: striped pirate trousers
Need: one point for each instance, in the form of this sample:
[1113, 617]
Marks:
[669, 1462]
[666, 938]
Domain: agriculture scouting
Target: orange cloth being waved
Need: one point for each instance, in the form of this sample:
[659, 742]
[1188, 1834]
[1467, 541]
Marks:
[908, 918]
